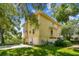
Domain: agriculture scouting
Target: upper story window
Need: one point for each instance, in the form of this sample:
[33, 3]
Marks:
[30, 31]
[33, 31]
[51, 31]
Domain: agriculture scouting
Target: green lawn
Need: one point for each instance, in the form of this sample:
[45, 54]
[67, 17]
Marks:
[40, 51]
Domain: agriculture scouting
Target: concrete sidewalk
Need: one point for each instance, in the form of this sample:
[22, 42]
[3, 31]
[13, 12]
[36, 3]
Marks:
[75, 47]
[14, 46]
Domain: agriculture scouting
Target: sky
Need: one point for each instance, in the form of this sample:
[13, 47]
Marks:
[46, 10]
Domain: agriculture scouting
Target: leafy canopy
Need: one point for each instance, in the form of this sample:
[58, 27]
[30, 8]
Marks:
[63, 11]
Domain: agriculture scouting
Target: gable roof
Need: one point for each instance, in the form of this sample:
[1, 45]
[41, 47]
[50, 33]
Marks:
[48, 17]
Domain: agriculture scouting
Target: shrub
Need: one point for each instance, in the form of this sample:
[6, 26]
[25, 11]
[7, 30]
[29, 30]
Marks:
[63, 43]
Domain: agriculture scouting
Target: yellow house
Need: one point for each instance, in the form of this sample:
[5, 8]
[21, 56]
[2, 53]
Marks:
[48, 31]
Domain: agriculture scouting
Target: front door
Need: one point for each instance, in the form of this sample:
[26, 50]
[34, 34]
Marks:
[31, 40]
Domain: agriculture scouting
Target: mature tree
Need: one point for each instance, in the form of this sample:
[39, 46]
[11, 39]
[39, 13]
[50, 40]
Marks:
[23, 9]
[7, 11]
[67, 31]
[70, 28]
[24, 12]
[39, 6]
[63, 12]
[13, 35]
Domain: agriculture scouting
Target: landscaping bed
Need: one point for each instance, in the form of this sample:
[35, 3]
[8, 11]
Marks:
[40, 51]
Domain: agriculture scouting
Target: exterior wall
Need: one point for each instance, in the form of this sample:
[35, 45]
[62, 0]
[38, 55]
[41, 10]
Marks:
[56, 31]
[33, 38]
[25, 33]
[44, 28]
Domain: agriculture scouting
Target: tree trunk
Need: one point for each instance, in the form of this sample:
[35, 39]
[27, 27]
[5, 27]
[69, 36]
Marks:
[68, 38]
[1, 35]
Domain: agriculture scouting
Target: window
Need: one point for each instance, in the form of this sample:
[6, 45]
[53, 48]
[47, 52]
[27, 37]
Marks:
[51, 32]
[30, 31]
[33, 31]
